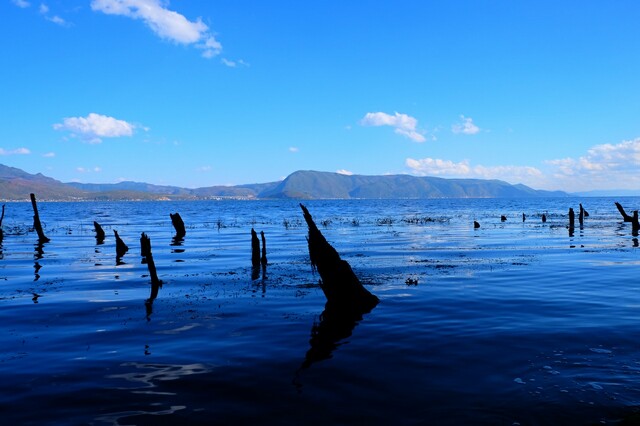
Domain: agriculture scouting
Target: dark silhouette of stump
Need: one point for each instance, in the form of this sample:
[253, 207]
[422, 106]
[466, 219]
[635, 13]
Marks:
[635, 226]
[544, 218]
[524, 217]
[255, 255]
[121, 247]
[255, 249]
[145, 251]
[624, 214]
[99, 233]
[263, 258]
[36, 221]
[476, 225]
[572, 221]
[503, 218]
[340, 285]
[582, 215]
[1, 219]
[178, 225]
[156, 284]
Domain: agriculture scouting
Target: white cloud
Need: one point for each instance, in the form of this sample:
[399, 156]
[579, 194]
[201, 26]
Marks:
[17, 151]
[293, 149]
[95, 126]
[57, 20]
[166, 23]
[606, 166]
[49, 155]
[44, 9]
[464, 169]
[344, 172]
[233, 64]
[203, 169]
[403, 124]
[465, 127]
[21, 3]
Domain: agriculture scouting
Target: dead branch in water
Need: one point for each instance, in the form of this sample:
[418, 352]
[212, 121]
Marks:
[624, 214]
[36, 221]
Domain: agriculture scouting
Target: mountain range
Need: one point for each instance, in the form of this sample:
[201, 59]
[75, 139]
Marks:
[16, 184]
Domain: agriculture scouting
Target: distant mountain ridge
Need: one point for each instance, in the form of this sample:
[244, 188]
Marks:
[16, 184]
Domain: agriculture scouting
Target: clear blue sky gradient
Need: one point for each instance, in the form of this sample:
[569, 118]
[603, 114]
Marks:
[549, 91]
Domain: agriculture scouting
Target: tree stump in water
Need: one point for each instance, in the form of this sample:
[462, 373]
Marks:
[36, 221]
[340, 285]
[99, 232]
[1, 219]
[145, 251]
[624, 214]
[121, 247]
[178, 225]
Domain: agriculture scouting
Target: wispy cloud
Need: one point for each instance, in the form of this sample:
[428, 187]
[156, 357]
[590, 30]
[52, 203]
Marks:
[21, 3]
[344, 172]
[167, 24]
[465, 126]
[203, 169]
[403, 124]
[293, 149]
[17, 151]
[95, 126]
[234, 64]
[89, 169]
[44, 11]
[49, 155]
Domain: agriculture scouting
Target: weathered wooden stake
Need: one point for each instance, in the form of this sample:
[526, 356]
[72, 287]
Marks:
[581, 216]
[263, 259]
[1, 218]
[635, 226]
[99, 232]
[340, 285]
[255, 249]
[36, 221]
[524, 217]
[145, 251]
[544, 218]
[121, 247]
[178, 225]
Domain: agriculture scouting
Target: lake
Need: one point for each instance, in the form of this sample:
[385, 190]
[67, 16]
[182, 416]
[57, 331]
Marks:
[513, 323]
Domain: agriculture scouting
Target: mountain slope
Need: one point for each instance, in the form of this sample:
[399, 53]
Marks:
[310, 184]
[16, 184]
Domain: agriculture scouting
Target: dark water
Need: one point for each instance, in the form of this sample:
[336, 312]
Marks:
[515, 323]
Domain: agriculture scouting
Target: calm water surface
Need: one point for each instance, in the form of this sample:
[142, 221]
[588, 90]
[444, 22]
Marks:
[514, 323]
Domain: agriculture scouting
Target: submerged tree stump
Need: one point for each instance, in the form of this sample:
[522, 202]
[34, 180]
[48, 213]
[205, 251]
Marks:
[99, 232]
[340, 285]
[1, 219]
[624, 214]
[582, 215]
[263, 258]
[178, 225]
[255, 249]
[544, 218]
[36, 221]
[476, 225]
[121, 247]
[145, 251]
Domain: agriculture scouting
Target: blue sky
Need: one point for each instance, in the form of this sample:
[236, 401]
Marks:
[200, 93]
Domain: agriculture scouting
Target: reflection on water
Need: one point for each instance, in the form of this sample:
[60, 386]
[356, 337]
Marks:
[503, 325]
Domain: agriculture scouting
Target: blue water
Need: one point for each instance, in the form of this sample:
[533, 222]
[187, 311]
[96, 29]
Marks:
[514, 323]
